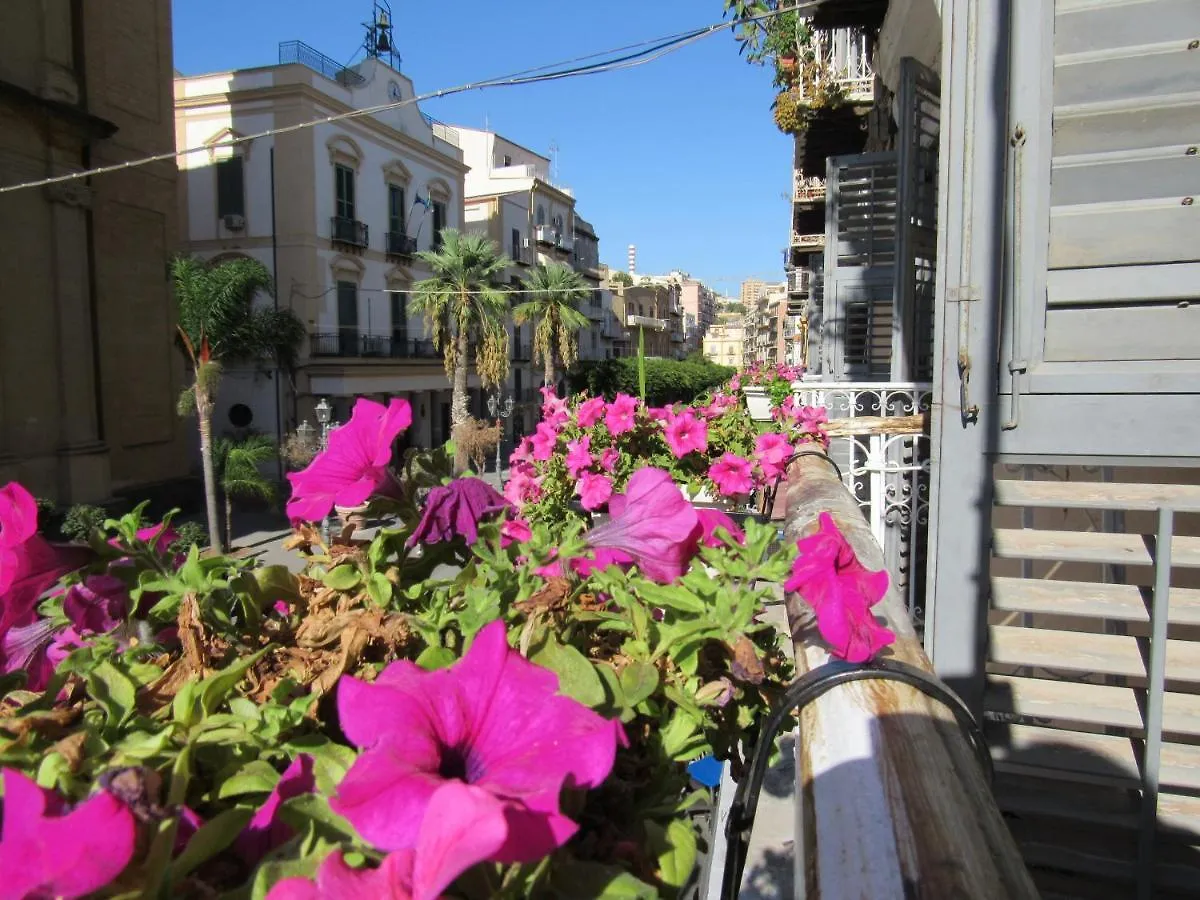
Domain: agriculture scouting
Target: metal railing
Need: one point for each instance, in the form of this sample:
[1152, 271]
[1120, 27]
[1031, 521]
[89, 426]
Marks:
[807, 189]
[348, 343]
[397, 243]
[348, 231]
[299, 52]
[808, 240]
[798, 281]
[545, 234]
[521, 255]
[844, 58]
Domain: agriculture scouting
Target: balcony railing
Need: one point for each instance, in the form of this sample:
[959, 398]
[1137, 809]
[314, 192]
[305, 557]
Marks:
[563, 242]
[798, 281]
[808, 240]
[350, 344]
[807, 190]
[544, 234]
[521, 255]
[300, 52]
[844, 57]
[397, 243]
[646, 322]
[348, 231]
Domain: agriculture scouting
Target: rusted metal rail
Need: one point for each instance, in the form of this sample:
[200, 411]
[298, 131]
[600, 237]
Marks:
[894, 802]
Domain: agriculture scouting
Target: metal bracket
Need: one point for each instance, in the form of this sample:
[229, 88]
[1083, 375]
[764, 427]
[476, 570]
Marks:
[964, 295]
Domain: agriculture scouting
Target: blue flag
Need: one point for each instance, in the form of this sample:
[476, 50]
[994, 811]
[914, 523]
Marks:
[424, 201]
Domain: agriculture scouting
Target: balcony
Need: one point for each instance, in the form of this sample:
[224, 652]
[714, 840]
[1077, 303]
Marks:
[844, 57]
[807, 190]
[544, 234]
[522, 352]
[400, 245]
[522, 255]
[564, 243]
[350, 232]
[349, 344]
[798, 281]
[300, 53]
[813, 241]
[646, 322]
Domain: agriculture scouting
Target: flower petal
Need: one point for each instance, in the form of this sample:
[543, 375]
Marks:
[463, 825]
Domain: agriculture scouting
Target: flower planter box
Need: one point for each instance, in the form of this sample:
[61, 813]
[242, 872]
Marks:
[353, 515]
[758, 402]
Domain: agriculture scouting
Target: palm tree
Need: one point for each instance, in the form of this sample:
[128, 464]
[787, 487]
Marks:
[237, 464]
[218, 324]
[463, 308]
[553, 308]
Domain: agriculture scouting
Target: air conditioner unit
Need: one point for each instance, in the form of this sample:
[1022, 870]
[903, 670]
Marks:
[526, 243]
[234, 222]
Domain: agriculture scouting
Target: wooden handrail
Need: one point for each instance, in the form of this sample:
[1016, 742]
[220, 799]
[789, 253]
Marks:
[886, 425]
[894, 802]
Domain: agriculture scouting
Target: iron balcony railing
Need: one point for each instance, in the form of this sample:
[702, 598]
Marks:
[300, 52]
[522, 255]
[807, 189]
[348, 231]
[397, 243]
[798, 281]
[808, 240]
[352, 344]
[545, 235]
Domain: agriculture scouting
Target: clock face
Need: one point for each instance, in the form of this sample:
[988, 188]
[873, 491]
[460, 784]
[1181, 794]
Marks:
[394, 91]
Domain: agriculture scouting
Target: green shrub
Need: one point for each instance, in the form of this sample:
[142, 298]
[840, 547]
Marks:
[189, 533]
[667, 380]
[81, 520]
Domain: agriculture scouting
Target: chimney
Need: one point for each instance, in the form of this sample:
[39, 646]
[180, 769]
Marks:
[632, 258]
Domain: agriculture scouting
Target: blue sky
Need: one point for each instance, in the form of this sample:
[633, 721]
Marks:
[679, 157]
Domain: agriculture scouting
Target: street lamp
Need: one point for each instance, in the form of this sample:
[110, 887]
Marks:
[501, 410]
[324, 417]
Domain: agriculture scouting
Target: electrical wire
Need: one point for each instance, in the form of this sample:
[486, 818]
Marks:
[652, 50]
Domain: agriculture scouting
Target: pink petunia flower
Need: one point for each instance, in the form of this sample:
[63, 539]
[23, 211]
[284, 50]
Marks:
[543, 442]
[772, 451]
[48, 852]
[579, 456]
[590, 412]
[609, 458]
[685, 433]
[652, 523]
[266, 830]
[600, 559]
[621, 415]
[732, 474]
[709, 521]
[659, 413]
[458, 830]
[523, 453]
[355, 464]
[456, 509]
[812, 418]
[493, 723]
[841, 591]
[515, 531]
[555, 410]
[522, 488]
[593, 490]
[18, 524]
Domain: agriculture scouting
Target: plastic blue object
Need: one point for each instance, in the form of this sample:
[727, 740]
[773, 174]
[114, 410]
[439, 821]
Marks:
[706, 770]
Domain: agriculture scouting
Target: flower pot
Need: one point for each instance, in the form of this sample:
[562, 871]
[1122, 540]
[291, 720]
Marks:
[758, 402]
[353, 515]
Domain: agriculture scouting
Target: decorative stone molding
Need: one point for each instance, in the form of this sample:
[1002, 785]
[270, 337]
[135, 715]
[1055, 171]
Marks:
[398, 278]
[70, 193]
[439, 189]
[347, 268]
[219, 146]
[395, 172]
[344, 151]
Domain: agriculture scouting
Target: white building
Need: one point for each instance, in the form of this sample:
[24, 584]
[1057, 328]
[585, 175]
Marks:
[336, 212]
[510, 197]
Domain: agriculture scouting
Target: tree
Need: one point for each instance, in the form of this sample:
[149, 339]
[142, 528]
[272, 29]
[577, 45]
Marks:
[462, 308]
[621, 278]
[219, 325]
[553, 308]
[237, 465]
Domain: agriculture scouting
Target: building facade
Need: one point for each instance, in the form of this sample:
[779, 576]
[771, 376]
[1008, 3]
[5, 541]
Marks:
[336, 212]
[89, 376]
[723, 344]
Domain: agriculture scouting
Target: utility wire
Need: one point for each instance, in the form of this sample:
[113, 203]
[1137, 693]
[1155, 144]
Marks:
[653, 50]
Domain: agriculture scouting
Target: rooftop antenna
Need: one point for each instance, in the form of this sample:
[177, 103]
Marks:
[379, 42]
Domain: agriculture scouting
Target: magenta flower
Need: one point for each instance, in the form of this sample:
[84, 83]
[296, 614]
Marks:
[709, 521]
[522, 488]
[46, 851]
[18, 524]
[772, 451]
[555, 411]
[543, 442]
[652, 523]
[621, 415]
[266, 830]
[601, 559]
[590, 412]
[609, 458]
[841, 591]
[98, 604]
[355, 464]
[812, 419]
[458, 830]
[523, 452]
[685, 433]
[578, 456]
[659, 413]
[515, 531]
[492, 722]
[455, 509]
[593, 490]
[732, 475]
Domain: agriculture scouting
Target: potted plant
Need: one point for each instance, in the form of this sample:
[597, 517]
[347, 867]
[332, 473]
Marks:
[766, 387]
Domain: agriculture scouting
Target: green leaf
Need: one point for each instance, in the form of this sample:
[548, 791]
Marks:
[113, 690]
[313, 809]
[675, 847]
[272, 870]
[210, 839]
[679, 737]
[577, 677]
[379, 589]
[595, 881]
[215, 688]
[433, 658]
[183, 706]
[671, 597]
[330, 761]
[343, 578]
[256, 777]
[639, 680]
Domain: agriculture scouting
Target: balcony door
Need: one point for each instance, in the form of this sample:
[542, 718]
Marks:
[347, 301]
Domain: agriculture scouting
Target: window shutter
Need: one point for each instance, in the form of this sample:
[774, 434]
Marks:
[231, 192]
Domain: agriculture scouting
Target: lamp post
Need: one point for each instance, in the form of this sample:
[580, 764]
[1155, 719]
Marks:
[325, 419]
[499, 410]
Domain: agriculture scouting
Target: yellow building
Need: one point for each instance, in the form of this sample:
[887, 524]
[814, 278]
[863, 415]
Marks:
[724, 344]
[89, 376]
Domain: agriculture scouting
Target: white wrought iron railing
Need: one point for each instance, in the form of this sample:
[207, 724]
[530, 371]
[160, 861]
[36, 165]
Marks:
[844, 55]
[888, 474]
[807, 189]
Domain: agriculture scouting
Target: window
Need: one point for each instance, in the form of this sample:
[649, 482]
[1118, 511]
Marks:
[396, 209]
[347, 306]
[439, 222]
[516, 243]
[231, 187]
[399, 323]
[507, 160]
[541, 215]
[517, 383]
[344, 192]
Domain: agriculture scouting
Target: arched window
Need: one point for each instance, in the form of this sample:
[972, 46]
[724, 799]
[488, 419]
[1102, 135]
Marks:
[541, 215]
